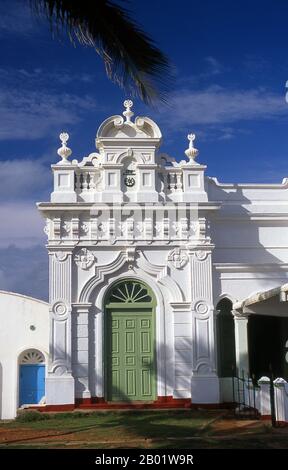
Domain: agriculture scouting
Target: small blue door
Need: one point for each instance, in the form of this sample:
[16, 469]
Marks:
[32, 383]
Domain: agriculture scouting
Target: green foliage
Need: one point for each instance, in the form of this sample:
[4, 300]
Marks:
[131, 58]
[72, 415]
[29, 416]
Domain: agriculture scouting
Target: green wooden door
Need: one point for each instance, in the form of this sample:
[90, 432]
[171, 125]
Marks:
[130, 344]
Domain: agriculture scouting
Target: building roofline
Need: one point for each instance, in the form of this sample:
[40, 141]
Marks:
[23, 296]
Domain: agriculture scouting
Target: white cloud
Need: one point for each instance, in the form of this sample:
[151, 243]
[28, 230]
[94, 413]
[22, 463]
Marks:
[217, 106]
[25, 271]
[21, 225]
[26, 114]
[19, 179]
[32, 104]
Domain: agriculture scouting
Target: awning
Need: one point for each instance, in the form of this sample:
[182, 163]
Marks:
[281, 292]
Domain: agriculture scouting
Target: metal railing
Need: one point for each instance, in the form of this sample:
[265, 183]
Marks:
[244, 396]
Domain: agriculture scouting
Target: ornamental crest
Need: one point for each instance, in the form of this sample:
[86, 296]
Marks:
[84, 259]
[178, 258]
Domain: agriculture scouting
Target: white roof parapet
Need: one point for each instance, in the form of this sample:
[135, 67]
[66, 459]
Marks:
[261, 296]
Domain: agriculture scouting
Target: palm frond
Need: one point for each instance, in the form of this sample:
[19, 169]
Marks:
[131, 58]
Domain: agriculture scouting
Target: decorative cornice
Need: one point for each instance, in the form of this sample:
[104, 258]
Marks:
[87, 206]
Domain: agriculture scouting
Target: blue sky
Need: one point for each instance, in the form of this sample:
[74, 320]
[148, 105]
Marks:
[231, 66]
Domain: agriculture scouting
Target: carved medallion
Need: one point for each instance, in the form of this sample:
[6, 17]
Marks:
[201, 307]
[178, 258]
[84, 259]
[59, 308]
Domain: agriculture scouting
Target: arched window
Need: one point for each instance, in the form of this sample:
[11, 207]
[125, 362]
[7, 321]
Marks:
[129, 291]
[32, 356]
[225, 339]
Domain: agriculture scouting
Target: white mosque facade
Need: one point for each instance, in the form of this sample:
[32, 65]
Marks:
[163, 282]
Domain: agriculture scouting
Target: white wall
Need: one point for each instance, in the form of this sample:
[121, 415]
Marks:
[250, 234]
[17, 314]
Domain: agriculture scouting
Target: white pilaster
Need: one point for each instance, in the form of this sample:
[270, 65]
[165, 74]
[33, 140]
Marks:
[204, 382]
[60, 382]
[80, 357]
[241, 343]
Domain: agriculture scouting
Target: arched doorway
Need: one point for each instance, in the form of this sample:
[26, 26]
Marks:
[130, 357]
[32, 377]
[226, 357]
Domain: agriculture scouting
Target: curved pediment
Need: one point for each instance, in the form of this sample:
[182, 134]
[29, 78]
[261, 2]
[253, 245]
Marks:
[119, 127]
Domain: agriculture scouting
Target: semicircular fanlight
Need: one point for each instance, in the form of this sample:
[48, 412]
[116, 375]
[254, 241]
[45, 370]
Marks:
[32, 357]
[129, 292]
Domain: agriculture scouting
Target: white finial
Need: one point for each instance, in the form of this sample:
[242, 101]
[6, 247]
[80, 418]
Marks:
[64, 152]
[128, 113]
[191, 152]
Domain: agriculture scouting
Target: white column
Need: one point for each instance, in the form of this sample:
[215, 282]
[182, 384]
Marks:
[241, 343]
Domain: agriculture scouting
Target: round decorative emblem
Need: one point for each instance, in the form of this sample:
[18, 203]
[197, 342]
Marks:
[59, 308]
[129, 181]
[84, 259]
[201, 308]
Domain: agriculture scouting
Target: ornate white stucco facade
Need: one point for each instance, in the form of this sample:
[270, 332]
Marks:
[209, 259]
[128, 211]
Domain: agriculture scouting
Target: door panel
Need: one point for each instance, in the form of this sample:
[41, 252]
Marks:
[32, 384]
[131, 367]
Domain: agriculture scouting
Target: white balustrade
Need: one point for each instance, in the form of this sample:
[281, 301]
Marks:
[87, 181]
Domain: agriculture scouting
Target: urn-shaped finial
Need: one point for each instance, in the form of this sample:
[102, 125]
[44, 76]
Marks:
[64, 152]
[128, 113]
[191, 152]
